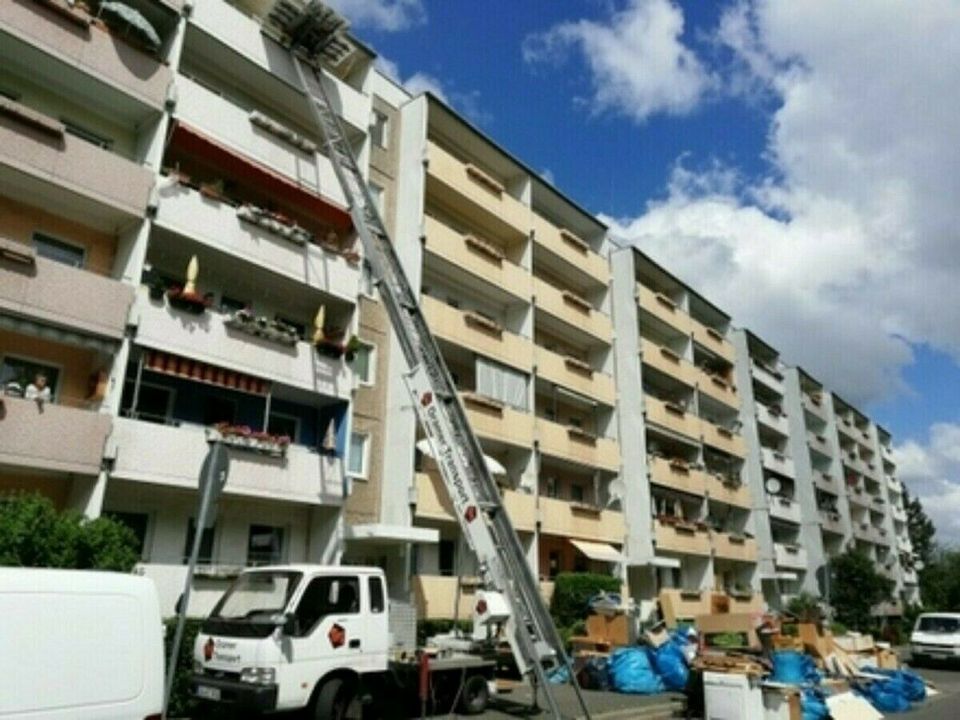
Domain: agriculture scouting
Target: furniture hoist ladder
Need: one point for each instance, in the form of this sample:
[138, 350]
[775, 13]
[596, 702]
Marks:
[312, 30]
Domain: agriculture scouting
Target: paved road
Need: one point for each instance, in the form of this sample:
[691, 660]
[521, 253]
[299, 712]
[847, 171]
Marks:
[946, 705]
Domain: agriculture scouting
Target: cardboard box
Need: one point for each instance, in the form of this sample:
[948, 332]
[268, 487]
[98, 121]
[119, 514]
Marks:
[730, 623]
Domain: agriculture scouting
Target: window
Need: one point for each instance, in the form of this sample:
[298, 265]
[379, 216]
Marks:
[332, 594]
[17, 373]
[553, 564]
[576, 493]
[229, 305]
[264, 545]
[357, 459]
[379, 129]
[282, 424]
[83, 133]
[137, 522]
[154, 403]
[447, 558]
[205, 557]
[363, 363]
[219, 409]
[377, 604]
[376, 194]
[58, 250]
[502, 383]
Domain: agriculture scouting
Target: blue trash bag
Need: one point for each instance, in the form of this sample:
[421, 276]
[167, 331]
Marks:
[560, 675]
[671, 662]
[813, 706]
[887, 696]
[793, 668]
[631, 672]
[909, 683]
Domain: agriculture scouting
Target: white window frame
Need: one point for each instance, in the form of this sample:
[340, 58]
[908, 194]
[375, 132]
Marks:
[381, 120]
[364, 472]
[284, 542]
[296, 426]
[168, 414]
[371, 365]
[57, 238]
[54, 391]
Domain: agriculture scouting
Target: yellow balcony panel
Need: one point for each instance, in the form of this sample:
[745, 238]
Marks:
[669, 363]
[433, 503]
[681, 538]
[746, 603]
[713, 341]
[495, 421]
[723, 439]
[481, 197]
[672, 417]
[477, 256]
[436, 597]
[576, 375]
[718, 388]
[677, 475]
[575, 445]
[662, 307]
[734, 547]
[683, 605]
[578, 520]
[522, 509]
[570, 248]
[726, 492]
[477, 333]
[573, 310]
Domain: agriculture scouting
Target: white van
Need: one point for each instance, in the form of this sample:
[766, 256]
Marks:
[79, 644]
[936, 636]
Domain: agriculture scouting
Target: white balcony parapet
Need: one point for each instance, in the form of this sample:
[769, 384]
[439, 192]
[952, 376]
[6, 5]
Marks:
[790, 556]
[784, 508]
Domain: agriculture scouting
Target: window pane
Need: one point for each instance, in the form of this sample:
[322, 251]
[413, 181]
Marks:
[264, 545]
[218, 409]
[284, 425]
[57, 250]
[378, 129]
[357, 462]
[326, 596]
[447, 553]
[376, 595]
[153, 403]
[361, 363]
[206, 544]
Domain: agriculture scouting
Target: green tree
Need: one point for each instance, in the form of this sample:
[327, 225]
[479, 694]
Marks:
[940, 581]
[920, 529]
[856, 587]
[34, 534]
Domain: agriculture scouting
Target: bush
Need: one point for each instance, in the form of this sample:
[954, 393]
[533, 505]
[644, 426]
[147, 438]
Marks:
[805, 607]
[572, 591]
[181, 703]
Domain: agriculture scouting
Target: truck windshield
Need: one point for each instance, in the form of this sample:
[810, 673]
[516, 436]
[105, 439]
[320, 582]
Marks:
[257, 596]
[938, 624]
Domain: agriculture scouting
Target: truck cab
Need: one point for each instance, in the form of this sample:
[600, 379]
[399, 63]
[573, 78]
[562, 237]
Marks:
[936, 636]
[294, 636]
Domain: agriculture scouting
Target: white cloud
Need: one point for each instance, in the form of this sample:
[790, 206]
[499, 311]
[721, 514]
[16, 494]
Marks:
[847, 252]
[638, 65]
[388, 15]
[931, 472]
[421, 82]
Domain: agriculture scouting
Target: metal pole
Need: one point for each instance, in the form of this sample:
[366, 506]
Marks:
[199, 526]
[136, 388]
[266, 410]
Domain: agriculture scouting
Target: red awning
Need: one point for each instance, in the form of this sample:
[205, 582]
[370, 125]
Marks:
[194, 142]
[197, 371]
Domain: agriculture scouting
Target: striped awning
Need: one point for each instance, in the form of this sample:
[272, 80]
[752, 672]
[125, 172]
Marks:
[197, 371]
[57, 334]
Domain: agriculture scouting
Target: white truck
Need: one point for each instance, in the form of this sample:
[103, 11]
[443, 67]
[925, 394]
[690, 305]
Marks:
[936, 636]
[316, 637]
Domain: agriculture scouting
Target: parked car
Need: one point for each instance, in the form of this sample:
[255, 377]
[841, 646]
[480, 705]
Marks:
[79, 645]
[936, 636]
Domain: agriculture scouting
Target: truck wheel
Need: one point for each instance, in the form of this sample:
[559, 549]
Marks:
[475, 695]
[337, 700]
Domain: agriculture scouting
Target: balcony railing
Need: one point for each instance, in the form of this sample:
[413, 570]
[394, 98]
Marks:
[777, 462]
[770, 377]
[496, 421]
[894, 485]
[672, 417]
[574, 251]
[681, 538]
[52, 437]
[713, 340]
[820, 444]
[825, 481]
[831, 521]
[575, 445]
[677, 475]
[721, 489]
[718, 388]
[814, 404]
[574, 374]
[477, 333]
[784, 508]
[723, 438]
[773, 419]
[570, 308]
[669, 363]
[662, 307]
[433, 503]
[577, 520]
[734, 547]
[52, 292]
[790, 556]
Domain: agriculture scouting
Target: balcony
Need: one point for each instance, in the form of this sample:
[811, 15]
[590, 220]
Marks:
[815, 406]
[477, 333]
[825, 481]
[677, 475]
[206, 337]
[767, 376]
[909, 576]
[577, 446]
[495, 421]
[172, 456]
[846, 427]
[480, 197]
[831, 522]
[580, 521]
[230, 125]
[714, 341]
[784, 508]
[820, 444]
[90, 49]
[726, 492]
[790, 556]
[721, 438]
[217, 225]
[903, 544]
[898, 513]
[574, 374]
[669, 363]
[734, 547]
[572, 250]
[62, 295]
[719, 389]
[243, 35]
[56, 437]
[672, 417]
[477, 257]
[894, 485]
[37, 145]
[773, 419]
[683, 605]
[572, 310]
[663, 308]
[436, 597]
[433, 503]
[681, 539]
[777, 462]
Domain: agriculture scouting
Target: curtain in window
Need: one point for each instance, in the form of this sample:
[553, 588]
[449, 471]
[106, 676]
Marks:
[502, 383]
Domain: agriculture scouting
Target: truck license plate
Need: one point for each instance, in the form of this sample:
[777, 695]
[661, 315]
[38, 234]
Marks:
[208, 693]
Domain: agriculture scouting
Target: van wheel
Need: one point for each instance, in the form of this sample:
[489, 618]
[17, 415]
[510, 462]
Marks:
[337, 700]
[475, 695]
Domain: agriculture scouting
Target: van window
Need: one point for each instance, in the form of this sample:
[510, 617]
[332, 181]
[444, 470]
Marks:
[938, 624]
[376, 595]
[328, 595]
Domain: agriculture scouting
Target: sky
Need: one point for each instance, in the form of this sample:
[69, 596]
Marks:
[797, 163]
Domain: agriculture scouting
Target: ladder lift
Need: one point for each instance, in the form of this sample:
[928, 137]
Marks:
[312, 32]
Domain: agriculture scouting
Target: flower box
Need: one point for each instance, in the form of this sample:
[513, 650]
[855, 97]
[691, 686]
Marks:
[282, 132]
[242, 437]
[273, 330]
[191, 302]
[274, 223]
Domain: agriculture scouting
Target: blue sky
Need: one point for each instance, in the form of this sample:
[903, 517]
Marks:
[796, 162]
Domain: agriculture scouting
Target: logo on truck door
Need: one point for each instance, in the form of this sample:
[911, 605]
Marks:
[208, 648]
[337, 636]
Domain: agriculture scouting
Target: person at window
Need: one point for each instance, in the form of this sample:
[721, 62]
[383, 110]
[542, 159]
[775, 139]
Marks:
[38, 390]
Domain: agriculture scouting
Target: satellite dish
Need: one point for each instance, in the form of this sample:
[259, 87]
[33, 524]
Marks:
[616, 489]
[773, 486]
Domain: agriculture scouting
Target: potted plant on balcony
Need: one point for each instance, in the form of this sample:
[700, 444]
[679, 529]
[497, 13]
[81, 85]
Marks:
[186, 297]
